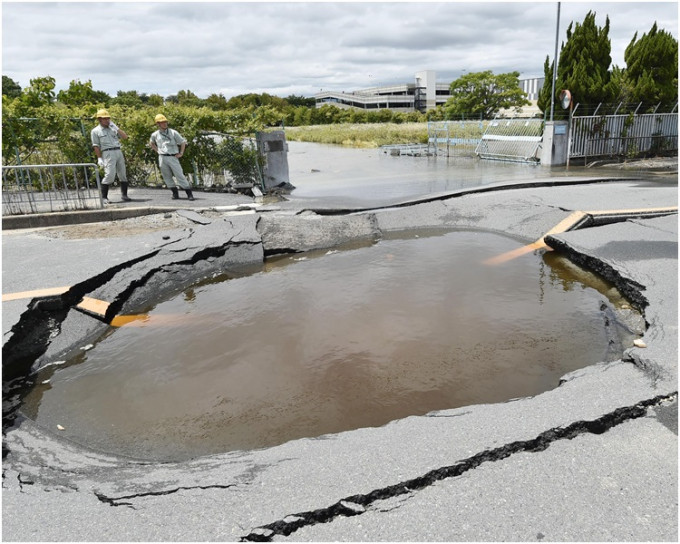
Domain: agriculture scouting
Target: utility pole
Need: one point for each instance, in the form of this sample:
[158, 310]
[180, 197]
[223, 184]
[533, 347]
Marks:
[557, 36]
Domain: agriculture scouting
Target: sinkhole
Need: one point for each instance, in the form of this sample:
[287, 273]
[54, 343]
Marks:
[330, 341]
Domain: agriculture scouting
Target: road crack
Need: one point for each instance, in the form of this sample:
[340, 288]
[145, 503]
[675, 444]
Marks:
[119, 501]
[358, 504]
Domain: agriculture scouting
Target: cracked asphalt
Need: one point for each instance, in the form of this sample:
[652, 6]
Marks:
[594, 459]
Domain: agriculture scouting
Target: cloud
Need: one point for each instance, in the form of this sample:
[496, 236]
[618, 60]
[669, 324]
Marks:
[291, 47]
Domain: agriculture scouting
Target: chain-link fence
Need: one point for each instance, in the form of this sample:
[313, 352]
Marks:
[455, 138]
[227, 162]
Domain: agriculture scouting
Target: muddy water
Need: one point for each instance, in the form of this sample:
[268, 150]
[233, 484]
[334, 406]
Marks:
[370, 177]
[321, 343]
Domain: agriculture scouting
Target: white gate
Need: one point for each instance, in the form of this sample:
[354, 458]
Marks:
[517, 139]
[454, 138]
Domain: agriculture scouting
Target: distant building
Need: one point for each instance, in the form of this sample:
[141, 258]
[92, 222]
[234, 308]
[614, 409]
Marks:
[424, 94]
[532, 87]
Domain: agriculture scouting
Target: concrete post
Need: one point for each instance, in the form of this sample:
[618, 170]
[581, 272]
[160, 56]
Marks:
[555, 149]
[273, 151]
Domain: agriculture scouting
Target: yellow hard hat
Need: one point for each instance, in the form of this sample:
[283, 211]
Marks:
[102, 114]
[160, 118]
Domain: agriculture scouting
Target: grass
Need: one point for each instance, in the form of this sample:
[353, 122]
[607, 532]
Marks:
[360, 135]
[378, 134]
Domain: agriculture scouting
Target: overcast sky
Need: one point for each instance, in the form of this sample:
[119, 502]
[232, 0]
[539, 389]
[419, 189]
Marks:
[285, 48]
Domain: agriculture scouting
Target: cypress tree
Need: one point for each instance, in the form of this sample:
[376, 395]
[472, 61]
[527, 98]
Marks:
[651, 72]
[543, 101]
[584, 63]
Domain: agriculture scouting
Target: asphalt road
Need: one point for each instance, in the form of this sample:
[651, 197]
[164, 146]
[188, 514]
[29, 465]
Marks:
[594, 459]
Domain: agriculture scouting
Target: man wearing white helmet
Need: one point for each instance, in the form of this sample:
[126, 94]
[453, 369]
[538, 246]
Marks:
[105, 139]
[170, 145]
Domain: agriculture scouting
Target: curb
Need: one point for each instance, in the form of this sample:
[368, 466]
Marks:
[57, 219]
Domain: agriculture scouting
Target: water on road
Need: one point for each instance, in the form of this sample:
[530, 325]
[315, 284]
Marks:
[331, 341]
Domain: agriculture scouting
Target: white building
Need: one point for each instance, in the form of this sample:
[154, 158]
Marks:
[424, 94]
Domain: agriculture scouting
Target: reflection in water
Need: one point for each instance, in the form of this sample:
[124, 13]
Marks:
[355, 177]
[330, 341]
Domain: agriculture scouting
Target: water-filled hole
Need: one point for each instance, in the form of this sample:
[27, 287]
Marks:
[331, 341]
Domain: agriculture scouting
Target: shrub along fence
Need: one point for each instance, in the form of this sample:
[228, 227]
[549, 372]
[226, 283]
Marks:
[214, 160]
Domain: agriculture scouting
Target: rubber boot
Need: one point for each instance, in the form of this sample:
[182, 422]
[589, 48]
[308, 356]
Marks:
[123, 190]
[190, 195]
[175, 193]
[105, 193]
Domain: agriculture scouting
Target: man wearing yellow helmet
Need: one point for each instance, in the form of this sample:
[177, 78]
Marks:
[170, 145]
[106, 138]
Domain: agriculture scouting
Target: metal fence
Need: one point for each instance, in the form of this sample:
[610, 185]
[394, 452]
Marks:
[517, 139]
[228, 162]
[43, 188]
[411, 149]
[623, 135]
[454, 138]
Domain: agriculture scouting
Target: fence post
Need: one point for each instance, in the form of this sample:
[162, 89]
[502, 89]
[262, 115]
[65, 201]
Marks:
[571, 117]
[16, 148]
[155, 171]
[197, 179]
[448, 141]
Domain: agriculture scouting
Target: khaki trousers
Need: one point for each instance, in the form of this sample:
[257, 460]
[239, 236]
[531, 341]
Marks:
[114, 163]
[170, 167]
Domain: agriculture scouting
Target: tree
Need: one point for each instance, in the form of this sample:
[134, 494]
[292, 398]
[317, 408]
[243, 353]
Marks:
[299, 116]
[128, 98]
[39, 92]
[254, 99]
[80, 94]
[583, 67]
[155, 100]
[188, 98]
[483, 93]
[621, 89]
[10, 88]
[651, 73]
[216, 102]
[301, 101]
[543, 101]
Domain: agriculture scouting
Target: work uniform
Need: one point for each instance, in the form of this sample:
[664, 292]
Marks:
[106, 139]
[168, 142]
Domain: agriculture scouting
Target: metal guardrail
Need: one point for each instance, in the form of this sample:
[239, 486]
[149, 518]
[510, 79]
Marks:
[44, 188]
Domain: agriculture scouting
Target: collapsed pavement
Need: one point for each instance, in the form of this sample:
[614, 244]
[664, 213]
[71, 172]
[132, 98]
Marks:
[593, 459]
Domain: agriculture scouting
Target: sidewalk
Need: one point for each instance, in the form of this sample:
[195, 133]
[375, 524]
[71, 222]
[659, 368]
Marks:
[145, 201]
